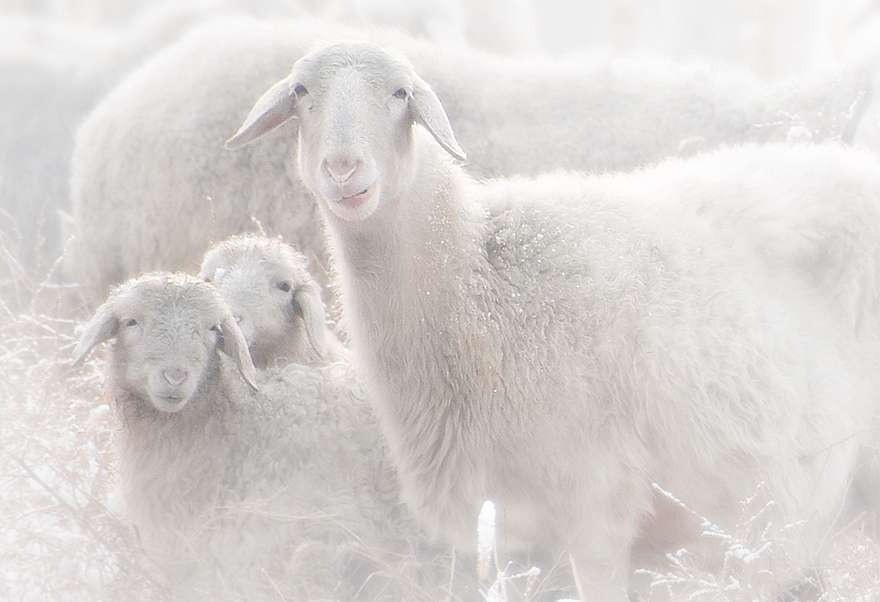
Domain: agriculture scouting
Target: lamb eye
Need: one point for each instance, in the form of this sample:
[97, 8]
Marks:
[300, 90]
[284, 286]
[401, 94]
[131, 322]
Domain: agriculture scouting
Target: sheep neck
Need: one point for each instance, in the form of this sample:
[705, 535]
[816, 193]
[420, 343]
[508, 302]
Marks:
[414, 285]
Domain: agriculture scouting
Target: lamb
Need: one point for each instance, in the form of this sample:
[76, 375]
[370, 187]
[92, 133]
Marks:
[560, 344]
[276, 302]
[235, 492]
[154, 147]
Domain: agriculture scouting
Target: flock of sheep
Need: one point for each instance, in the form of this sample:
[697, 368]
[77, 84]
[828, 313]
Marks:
[562, 285]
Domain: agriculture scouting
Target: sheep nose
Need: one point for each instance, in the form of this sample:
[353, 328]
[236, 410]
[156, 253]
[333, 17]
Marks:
[174, 376]
[341, 169]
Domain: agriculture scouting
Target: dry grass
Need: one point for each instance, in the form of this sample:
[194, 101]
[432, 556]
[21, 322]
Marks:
[58, 540]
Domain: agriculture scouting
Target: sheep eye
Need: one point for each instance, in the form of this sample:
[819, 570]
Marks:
[401, 94]
[300, 91]
[216, 328]
[131, 322]
[284, 286]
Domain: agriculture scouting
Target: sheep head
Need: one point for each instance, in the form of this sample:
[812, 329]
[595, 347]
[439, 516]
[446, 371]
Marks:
[272, 296]
[168, 329]
[355, 104]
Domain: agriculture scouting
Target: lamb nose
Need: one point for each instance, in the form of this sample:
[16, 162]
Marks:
[341, 170]
[174, 376]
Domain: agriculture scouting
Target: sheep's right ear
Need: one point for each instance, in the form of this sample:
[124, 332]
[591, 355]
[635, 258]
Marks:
[233, 344]
[273, 108]
[103, 325]
[309, 301]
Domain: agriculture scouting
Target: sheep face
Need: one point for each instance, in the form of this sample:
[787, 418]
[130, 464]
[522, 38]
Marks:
[272, 296]
[168, 330]
[356, 104]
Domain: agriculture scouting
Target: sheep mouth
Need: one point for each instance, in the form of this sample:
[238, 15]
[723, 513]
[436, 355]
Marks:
[356, 200]
[169, 403]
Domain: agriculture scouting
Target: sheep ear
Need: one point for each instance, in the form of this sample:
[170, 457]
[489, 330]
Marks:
[312, 307]
[103, 325]
[427, 110]
[273, 108]
[233, 344]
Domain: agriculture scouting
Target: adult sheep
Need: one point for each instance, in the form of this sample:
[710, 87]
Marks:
[52, 75]
[277, 304]
[559, 344]
[238, 493]
[153, 150]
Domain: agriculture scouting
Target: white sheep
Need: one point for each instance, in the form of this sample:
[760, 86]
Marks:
[276, 302]
[52, 75]
[559, 344]
[236, 492]
[153, 150]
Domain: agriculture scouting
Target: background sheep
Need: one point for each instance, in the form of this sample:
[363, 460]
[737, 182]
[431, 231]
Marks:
[153, 148]
[788, 38]
[240, 493]
[276, 302]
[52, 75]
[557, 345]
[473, 23]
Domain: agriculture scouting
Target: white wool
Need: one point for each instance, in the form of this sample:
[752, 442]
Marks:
[152, 151]
[562, 343]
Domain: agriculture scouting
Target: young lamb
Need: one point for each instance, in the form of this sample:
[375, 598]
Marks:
[235, 492]
[559, 344]
[276, 302]
[154, 147]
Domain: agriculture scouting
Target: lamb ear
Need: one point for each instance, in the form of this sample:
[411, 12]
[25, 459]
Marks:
[309, 300]
[233, 344]
[427, 110]
[103, 325]
[273, 108]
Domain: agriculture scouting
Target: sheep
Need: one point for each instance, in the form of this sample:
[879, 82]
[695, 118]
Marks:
[788, 41]
[52, 75]
[232, 490]
[276, 302]
[560, 344]
[154, 147]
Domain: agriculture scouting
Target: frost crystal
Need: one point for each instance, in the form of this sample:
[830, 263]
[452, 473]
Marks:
[485, 539]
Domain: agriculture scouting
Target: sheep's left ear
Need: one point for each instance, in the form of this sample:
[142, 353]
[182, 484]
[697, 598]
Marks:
[103, 325]
[273, 108]
[427, 110]
[233, 344]
[309, 300]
